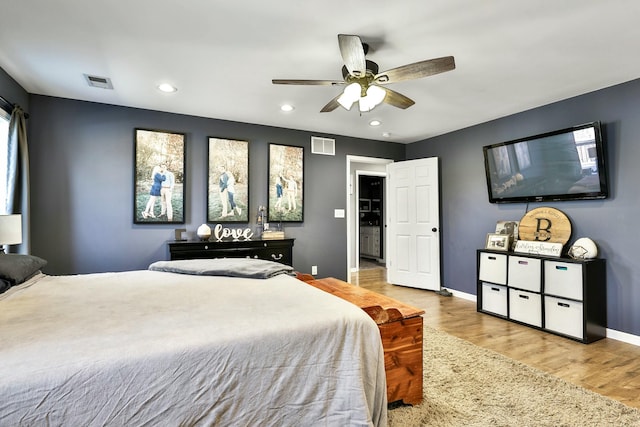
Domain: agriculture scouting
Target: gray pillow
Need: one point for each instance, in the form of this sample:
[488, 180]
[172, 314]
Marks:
[16, 268]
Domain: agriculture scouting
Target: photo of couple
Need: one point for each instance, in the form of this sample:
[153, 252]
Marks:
[228, 187]
[162, 188]
[159, 195]
[286, 174]
[226, 183]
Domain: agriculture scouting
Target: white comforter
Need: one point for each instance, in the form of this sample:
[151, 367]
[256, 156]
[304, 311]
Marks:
[148, 348]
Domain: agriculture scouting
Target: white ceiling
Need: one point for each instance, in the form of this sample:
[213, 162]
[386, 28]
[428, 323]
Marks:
[510, 56]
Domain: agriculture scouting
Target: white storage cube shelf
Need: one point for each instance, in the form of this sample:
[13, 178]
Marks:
[564, 297]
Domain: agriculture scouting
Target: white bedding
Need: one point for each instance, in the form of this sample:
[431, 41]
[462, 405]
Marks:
[148, 348]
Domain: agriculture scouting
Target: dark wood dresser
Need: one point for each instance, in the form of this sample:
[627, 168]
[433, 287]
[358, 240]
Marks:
[280, 250]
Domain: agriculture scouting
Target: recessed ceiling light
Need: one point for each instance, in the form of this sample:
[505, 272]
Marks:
[287, 107]
[375, 123]
[386, 134]
[167, 88]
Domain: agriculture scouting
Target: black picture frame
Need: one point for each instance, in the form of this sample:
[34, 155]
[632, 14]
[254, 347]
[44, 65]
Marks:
[228, 181]
[286, 183]
[159, 175]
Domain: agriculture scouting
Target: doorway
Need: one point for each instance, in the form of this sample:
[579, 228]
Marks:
[360, 166]
[371, 214]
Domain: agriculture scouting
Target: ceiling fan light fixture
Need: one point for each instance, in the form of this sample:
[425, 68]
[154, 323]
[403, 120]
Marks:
[359, 71]
[375, 96]
[350, 95]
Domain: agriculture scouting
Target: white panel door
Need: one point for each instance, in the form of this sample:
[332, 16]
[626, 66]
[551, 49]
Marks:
[413, 224]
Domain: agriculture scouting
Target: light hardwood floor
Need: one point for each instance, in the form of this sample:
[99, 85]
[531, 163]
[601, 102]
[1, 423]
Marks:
[607, 366]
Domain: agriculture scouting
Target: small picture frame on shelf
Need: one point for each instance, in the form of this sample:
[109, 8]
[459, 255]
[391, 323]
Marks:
[498, 242]
[510, 228]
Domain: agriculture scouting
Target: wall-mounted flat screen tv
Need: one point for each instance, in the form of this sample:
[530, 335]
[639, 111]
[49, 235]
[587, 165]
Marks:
[568, 164]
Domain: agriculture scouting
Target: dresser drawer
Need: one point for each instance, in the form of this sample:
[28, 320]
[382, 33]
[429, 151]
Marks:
[563, 279]
[493, 268]
[494, 299]
[525, 273]
[525, 307]
[281, 255]
[278, 250]
[563, 316]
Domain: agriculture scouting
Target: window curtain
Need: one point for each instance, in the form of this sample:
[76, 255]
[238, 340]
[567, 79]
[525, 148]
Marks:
[18, 200]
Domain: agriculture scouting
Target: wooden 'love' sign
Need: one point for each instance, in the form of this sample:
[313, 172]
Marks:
[545, 225]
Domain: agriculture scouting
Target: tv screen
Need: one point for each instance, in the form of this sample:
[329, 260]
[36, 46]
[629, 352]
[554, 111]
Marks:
[567, 164]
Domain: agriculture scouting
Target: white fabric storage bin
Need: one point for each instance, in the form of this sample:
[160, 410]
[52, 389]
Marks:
[493, 268]
[563, 316]
[525, 273]
[494, 298]
[563, 279]
[525, 307]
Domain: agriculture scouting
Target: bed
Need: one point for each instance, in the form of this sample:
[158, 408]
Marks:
[165, 347]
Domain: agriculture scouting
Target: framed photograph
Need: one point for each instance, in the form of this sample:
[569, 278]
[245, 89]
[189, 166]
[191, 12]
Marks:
[498, 242]
[159, 177]
[228, 181]
[286, 183]
[508, 227]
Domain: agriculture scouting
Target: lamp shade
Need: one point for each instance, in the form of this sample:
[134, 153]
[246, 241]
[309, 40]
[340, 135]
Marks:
[10, 229]
[350, 95]
[375, 95]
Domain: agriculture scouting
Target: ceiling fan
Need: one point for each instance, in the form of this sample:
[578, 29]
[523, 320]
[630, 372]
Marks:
[364, 84]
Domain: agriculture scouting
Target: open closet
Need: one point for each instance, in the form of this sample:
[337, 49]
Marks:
[371, 216]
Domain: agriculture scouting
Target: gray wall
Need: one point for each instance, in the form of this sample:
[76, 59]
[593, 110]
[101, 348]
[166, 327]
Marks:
[82, 178]
[82, 186]
[467, 214]
[11, 91]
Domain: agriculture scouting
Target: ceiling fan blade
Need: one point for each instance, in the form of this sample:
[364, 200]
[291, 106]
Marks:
[416, 70]
[331, 105]
[307, 82]
[397, 99]
[352, 53]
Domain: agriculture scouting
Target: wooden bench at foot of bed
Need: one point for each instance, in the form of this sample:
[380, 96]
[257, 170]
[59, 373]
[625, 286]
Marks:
[401, 331]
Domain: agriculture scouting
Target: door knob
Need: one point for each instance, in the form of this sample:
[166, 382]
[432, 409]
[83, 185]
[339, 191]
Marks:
[434, 229]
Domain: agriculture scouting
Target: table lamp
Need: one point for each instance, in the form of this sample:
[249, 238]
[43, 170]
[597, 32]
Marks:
[10, 230]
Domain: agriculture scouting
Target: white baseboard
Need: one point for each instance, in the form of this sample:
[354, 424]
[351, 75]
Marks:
[463, 295]
[623, 336]
[611, 333]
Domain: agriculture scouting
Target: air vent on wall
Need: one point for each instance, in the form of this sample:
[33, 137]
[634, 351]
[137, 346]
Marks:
[101, 82]
[326, 146]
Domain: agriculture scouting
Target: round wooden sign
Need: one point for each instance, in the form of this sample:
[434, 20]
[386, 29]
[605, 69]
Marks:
[545, 225]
